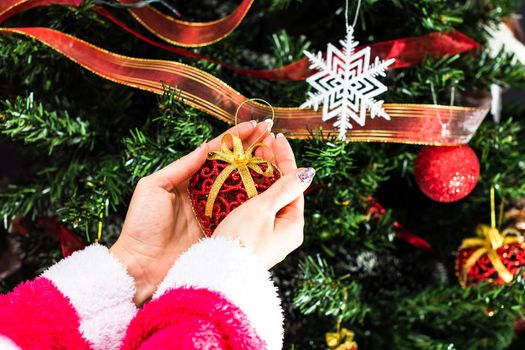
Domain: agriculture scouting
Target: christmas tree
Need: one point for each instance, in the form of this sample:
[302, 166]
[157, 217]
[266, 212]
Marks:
[379, 257]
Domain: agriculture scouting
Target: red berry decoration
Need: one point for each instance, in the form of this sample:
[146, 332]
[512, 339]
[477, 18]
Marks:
[226, 180]
[446, 173]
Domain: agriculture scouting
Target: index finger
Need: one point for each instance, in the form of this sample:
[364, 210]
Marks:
[283, 153]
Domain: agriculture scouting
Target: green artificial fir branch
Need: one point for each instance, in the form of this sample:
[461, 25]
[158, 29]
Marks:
[445, 315]
[174, 133]
[500, 152]
[28, 121]
[323, 292]
[18, 201]
[348, 174]
[287, 49]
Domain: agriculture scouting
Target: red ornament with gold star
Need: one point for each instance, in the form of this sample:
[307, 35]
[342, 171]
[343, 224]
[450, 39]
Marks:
[446, 173]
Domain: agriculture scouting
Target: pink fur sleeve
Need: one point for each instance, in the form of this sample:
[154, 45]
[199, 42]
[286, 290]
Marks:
[190, 318]
[84, 301]
[36, 315]
[237, 278]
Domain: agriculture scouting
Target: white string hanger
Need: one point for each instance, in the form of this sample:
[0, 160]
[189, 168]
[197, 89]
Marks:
[356, 14]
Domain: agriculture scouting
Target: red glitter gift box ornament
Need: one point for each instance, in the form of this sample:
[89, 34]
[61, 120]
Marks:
[227, 179]
[230, 177]
[493, 256]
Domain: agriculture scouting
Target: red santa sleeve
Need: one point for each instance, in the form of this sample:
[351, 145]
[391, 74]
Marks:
[84, 301]
[218, 295]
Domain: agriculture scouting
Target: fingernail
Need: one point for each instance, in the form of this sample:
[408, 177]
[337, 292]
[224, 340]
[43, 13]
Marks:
[254, 123]
[269, 122]
[279, 135]
[272, 135]
[306, 175]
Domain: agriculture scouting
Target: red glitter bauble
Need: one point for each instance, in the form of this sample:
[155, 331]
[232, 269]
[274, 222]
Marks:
[446, 174]
[511, 255]
[231, 195]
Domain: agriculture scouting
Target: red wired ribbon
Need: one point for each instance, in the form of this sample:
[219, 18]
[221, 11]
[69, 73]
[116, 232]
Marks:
[410, 123]
[172, 30]
[183, 33]
[407, 51]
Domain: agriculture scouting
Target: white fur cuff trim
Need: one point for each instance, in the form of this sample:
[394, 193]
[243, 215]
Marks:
[222, 265]
[101, 291]
[6, 344]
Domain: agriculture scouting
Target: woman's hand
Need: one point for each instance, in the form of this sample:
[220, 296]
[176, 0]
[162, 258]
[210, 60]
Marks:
[160, 223]
[271, 224]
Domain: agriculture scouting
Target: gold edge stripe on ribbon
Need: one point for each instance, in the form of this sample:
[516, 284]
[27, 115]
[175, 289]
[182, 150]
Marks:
[12, 7]
[139, 19]
[156, 87]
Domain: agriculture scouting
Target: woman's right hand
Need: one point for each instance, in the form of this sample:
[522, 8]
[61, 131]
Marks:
[160, 224]
[271, 223]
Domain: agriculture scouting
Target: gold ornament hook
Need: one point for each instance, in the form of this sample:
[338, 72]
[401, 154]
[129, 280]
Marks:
[252, 100]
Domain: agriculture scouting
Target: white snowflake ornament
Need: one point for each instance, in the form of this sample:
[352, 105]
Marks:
[346, 84]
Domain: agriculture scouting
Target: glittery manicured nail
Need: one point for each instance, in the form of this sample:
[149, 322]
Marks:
[254, 123]
[306, 175]
[269, 122]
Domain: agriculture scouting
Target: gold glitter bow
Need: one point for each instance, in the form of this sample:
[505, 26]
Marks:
[489, 240]
[239, 160]
[342, 340]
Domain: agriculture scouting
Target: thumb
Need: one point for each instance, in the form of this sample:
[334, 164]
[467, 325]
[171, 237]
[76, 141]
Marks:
[287, 188]
[182, 169]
